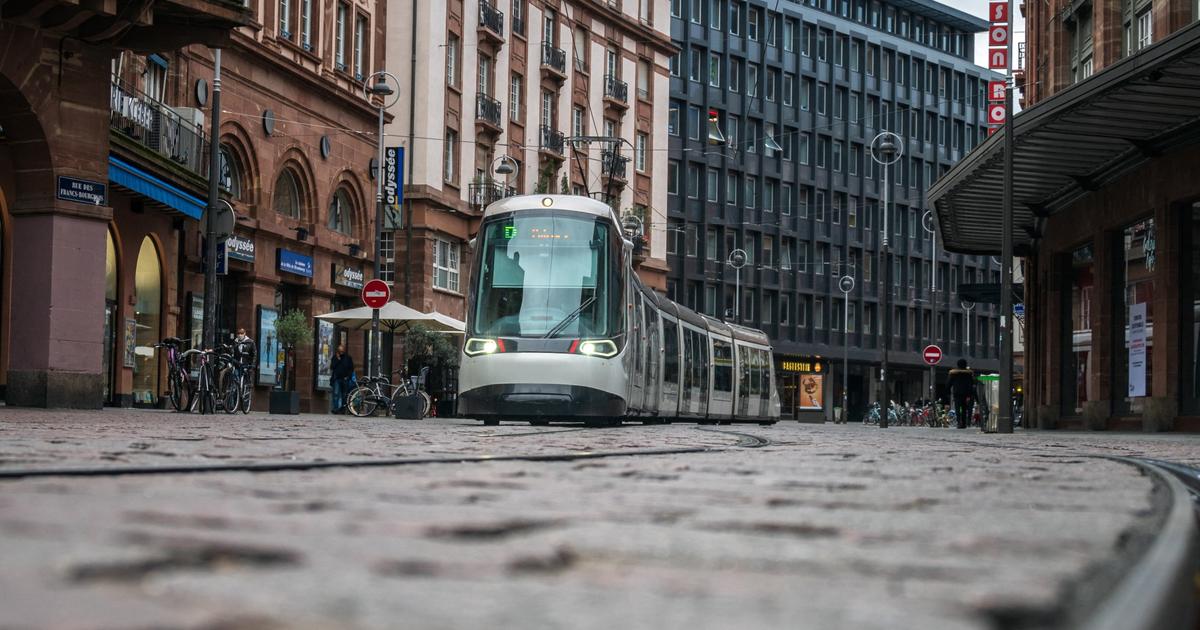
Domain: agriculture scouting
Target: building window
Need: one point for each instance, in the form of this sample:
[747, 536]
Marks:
[516, 94]
[751, 198]
[735, 75]
[694, 65]
[452, 60]
[731, 188]
[445, 265]
[789, 86]
[387, 257]
[735, 18]
[714, 14]
[449, 157]
[673, 177]
[673, 120]
[360, 47]
[752, 24]
[339, 38]
[639, 155]
[287, 194]
[285, 18]
[694, 181]
[714, 70]
[306, 23]
[578, 127]
[691, 240]
[711, 192]
[340, 213]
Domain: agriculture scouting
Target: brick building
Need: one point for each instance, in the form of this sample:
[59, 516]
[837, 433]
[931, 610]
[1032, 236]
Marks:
[1106, 213]
[493, 80]
[132, 114]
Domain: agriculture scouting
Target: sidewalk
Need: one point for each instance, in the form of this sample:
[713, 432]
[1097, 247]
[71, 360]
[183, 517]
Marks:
[828, 527]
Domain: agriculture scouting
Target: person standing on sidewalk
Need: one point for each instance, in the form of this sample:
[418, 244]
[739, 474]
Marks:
[340, 371]
[962, 390]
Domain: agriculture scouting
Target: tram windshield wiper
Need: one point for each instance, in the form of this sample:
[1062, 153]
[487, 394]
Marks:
[569, 318]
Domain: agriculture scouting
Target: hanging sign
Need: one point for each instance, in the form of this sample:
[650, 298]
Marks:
[996, 91]
[998, 12]
[393, 187]
[998, 35]
[995, 113]
[83, 191]
[997, 59]
[346, 276]
[293, 262]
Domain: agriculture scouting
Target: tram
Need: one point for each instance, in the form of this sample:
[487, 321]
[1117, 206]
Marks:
[560, 328]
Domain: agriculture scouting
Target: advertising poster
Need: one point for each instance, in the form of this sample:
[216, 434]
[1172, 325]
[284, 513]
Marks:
[1137, 350]
[130, 341]
[270, 352]
[812, 392]
[197, 323]
[325, 347]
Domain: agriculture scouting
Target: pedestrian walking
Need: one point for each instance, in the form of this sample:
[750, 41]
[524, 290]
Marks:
[341, 369]
[962, 390]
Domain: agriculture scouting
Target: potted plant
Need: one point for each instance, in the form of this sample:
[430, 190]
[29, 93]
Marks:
[293, 329]
[437, 351]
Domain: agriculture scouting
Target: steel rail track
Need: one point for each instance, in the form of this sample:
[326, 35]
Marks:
[1161, 591]
[745, 440]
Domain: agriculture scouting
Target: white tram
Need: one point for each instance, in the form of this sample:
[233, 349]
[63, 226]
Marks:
[559, 327]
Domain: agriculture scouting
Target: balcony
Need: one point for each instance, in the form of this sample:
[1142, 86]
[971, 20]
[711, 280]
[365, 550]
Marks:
[491, 22]
[554, 61]
[152, 129]
[487, 113]
[552, 141]
[614, 165]
[482, 194]
[616, 92]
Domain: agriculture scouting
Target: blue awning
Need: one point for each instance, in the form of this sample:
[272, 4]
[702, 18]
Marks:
[126, 175]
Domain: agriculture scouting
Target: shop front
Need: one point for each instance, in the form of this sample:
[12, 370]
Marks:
[1109, 238]
[803, 389]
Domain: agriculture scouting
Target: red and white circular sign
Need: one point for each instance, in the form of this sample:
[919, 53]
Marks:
[376, 293]
[932, 355]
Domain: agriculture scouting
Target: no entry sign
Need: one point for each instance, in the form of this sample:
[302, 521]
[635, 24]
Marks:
[932, 355]
[376, 293]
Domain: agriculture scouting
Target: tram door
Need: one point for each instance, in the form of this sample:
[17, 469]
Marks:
[638, 347]
[652, 357]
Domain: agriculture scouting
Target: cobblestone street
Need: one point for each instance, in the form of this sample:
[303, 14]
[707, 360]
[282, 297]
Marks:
[824, 527]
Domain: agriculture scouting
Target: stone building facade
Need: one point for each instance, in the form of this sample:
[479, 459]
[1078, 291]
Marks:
[1106, 213]
[296, 141]
[521, 78]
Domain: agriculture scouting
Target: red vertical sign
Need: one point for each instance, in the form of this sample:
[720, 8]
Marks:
[999, 34]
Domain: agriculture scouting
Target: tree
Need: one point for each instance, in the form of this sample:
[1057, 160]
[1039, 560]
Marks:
[292, 330]
[427, 347]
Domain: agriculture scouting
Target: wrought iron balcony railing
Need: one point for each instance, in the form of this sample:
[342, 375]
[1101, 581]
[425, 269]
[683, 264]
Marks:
[614, 164]
[177, 134]
[487, 109]
[552, 139]
[616, 89]
[482, 194]
[491, 18]
[554, 57]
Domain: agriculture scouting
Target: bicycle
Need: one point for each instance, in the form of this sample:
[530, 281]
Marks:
[178, 381]
[366, 399]
[204, 397]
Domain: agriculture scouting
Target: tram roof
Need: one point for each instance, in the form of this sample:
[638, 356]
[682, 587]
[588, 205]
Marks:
[573, 203]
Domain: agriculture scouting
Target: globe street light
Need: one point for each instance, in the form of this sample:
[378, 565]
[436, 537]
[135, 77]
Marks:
[886, 148]
[846, 284]
[376, 85]
[737, 260]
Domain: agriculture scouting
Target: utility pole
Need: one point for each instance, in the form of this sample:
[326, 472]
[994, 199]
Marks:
[886, 149]
[209, 327]
[1004, 422]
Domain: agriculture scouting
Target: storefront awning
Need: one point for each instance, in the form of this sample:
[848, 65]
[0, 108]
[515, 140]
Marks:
[1074, 143]
[126, 175]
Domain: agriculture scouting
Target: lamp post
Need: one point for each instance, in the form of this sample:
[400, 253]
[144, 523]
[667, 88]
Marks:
[886, 148]
[846, 284]
[376, 85]
[508, 166]
[737, 260]
[208, 329]
[968, 306]
[927, 223]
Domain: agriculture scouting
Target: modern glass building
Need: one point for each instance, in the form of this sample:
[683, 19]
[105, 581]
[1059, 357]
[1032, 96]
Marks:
[774, 106]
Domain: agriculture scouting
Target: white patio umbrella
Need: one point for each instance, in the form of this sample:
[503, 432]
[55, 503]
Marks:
[394, 316]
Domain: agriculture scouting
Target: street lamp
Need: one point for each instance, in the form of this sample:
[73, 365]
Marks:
[928, 224]
[376, 85]
[737, 260]
[886, 148]
[846, 284]
[968, 306]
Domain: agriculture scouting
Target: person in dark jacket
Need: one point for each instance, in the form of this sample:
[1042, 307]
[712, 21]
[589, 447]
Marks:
[962, 390]
[340, 371]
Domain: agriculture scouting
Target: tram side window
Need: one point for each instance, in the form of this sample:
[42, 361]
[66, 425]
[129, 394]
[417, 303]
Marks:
[743, 373]
[722, 366]
[637, 341]
[767, 367]
[687, 364]
[705, 361]
[671, 350]
[754, 373]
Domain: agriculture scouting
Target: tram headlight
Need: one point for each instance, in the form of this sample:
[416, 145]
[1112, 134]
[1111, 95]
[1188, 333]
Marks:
[476, 346]
[599, 348]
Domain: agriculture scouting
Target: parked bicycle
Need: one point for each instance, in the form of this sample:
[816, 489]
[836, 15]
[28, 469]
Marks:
[236, 385]
[179, 389]
[376, 392]
[211, 394]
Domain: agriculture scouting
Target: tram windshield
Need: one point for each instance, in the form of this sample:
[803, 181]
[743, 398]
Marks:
[547, 275]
